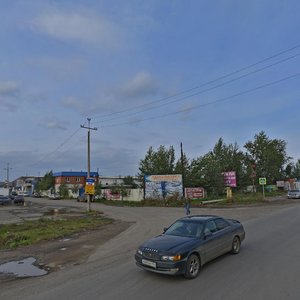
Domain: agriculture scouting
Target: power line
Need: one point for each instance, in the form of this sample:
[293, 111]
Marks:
[208, 103]
[203, 84]
[55, 150]
[205, 90]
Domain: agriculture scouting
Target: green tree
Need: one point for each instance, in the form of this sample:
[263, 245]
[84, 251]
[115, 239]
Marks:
[268, 155]
[98, 188]
[47, 182]
[158, 162]
[129, 182]
[295, 173]
[206, 171]
[183, 167]
[63, 191]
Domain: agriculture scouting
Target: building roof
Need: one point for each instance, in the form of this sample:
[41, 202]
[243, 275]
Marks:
[74, 174]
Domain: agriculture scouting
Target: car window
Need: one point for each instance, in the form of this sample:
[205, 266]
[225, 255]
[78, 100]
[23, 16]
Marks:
[188, 229]
[221, 224]
[211, 227]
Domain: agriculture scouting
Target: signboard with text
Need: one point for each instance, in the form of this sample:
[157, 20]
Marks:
[161, 186]
[230, 178]
[194, 193]
[90, 186]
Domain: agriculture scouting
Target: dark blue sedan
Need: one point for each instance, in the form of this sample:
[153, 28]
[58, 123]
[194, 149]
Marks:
[189, 243]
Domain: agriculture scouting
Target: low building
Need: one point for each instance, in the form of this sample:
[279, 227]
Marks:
[74, 181]
[25, 184]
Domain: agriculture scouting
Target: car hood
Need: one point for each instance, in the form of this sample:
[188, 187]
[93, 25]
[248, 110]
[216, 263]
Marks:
[170, 243]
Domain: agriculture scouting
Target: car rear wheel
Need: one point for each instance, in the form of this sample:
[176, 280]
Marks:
[236, 245]
[192, 268]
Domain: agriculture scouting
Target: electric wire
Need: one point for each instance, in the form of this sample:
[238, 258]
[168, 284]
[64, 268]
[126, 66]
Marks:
[208, 103]
[202, 91]
[203, 84]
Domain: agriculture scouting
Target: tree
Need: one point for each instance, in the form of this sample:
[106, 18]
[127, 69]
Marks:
[63, 191]
[206, 171]
[158, 162]
[129, 181]
[47, 182]
[98, 188]
[295, 173]
[183, 167]
[268, 155]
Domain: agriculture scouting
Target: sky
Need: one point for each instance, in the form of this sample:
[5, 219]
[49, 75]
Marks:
[146, 73]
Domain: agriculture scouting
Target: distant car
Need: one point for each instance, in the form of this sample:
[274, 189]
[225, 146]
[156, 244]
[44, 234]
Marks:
[84, 197]
[4, 200]
[293, 194]
[189, 243]
[36, 195]
[12, 195]
[54, 197]
[19, 199]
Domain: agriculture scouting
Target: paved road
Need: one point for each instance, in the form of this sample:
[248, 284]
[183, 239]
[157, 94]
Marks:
[268, 266]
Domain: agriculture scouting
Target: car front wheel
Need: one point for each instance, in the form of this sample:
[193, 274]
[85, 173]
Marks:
[192, 268]
[236, 245]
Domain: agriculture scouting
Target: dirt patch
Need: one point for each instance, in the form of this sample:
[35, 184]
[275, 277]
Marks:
[62, 253]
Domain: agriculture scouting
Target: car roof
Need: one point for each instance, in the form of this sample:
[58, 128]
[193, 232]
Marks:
[200, 218]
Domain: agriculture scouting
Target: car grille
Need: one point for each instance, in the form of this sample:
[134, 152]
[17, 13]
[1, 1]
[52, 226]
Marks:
[151, 255]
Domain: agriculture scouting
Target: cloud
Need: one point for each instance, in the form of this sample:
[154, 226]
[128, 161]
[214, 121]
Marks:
[77, 27]
[8, 88]
[53, 124]
[138, 88]
[8, 92]
[143, 84]
[59, 67]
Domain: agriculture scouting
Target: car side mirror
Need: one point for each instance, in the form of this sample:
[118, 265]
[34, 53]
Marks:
[165, 229]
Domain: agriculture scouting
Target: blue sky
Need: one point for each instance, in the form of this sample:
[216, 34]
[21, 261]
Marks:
[147, 73]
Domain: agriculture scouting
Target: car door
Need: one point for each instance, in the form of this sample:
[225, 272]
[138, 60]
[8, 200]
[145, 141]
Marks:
[225, 235]
[211, 241]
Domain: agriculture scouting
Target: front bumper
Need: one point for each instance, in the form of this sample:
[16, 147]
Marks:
[162, 267]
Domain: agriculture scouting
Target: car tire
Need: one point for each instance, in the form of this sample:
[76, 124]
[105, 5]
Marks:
[192, 268]
[236, 245]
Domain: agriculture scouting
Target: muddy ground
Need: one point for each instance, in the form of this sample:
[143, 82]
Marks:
[62, 253]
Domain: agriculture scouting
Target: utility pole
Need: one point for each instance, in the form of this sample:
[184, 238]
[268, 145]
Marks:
[182, 170]
[89, 159]
[7, 174]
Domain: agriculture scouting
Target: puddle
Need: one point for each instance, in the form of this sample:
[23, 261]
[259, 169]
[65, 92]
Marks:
[22, 268]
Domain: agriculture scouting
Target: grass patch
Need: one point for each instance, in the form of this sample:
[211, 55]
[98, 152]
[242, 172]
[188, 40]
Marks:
[44, 229]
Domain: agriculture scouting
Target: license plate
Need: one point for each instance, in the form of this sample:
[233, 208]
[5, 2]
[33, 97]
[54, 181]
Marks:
[149, 263]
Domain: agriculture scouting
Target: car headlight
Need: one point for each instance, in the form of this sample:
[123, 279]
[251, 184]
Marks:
[140, 252]
[171, 258]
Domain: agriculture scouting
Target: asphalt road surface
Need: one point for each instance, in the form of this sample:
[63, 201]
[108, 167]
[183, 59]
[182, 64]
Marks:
[268, 266]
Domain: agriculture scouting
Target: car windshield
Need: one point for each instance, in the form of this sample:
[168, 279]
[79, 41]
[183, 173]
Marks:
[294, 191]
[185, 228]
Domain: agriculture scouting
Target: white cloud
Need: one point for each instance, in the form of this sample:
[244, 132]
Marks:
[8, 92]
[8, 88]
[53, 124]
[139, 88]
[143, 84]
[77, 27]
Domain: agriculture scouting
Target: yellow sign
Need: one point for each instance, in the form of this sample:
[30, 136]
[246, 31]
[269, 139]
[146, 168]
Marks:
[90, 186]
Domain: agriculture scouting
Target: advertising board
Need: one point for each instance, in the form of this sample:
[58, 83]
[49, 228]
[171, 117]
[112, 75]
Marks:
[194, 193]
[162, 186]
[90, 186]
[230, 179]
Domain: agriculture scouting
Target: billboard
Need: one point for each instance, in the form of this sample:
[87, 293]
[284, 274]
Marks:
[230, 178]
[194, 193]
[162, 186]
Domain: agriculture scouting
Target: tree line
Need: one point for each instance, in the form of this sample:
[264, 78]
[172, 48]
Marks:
[262, 157]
